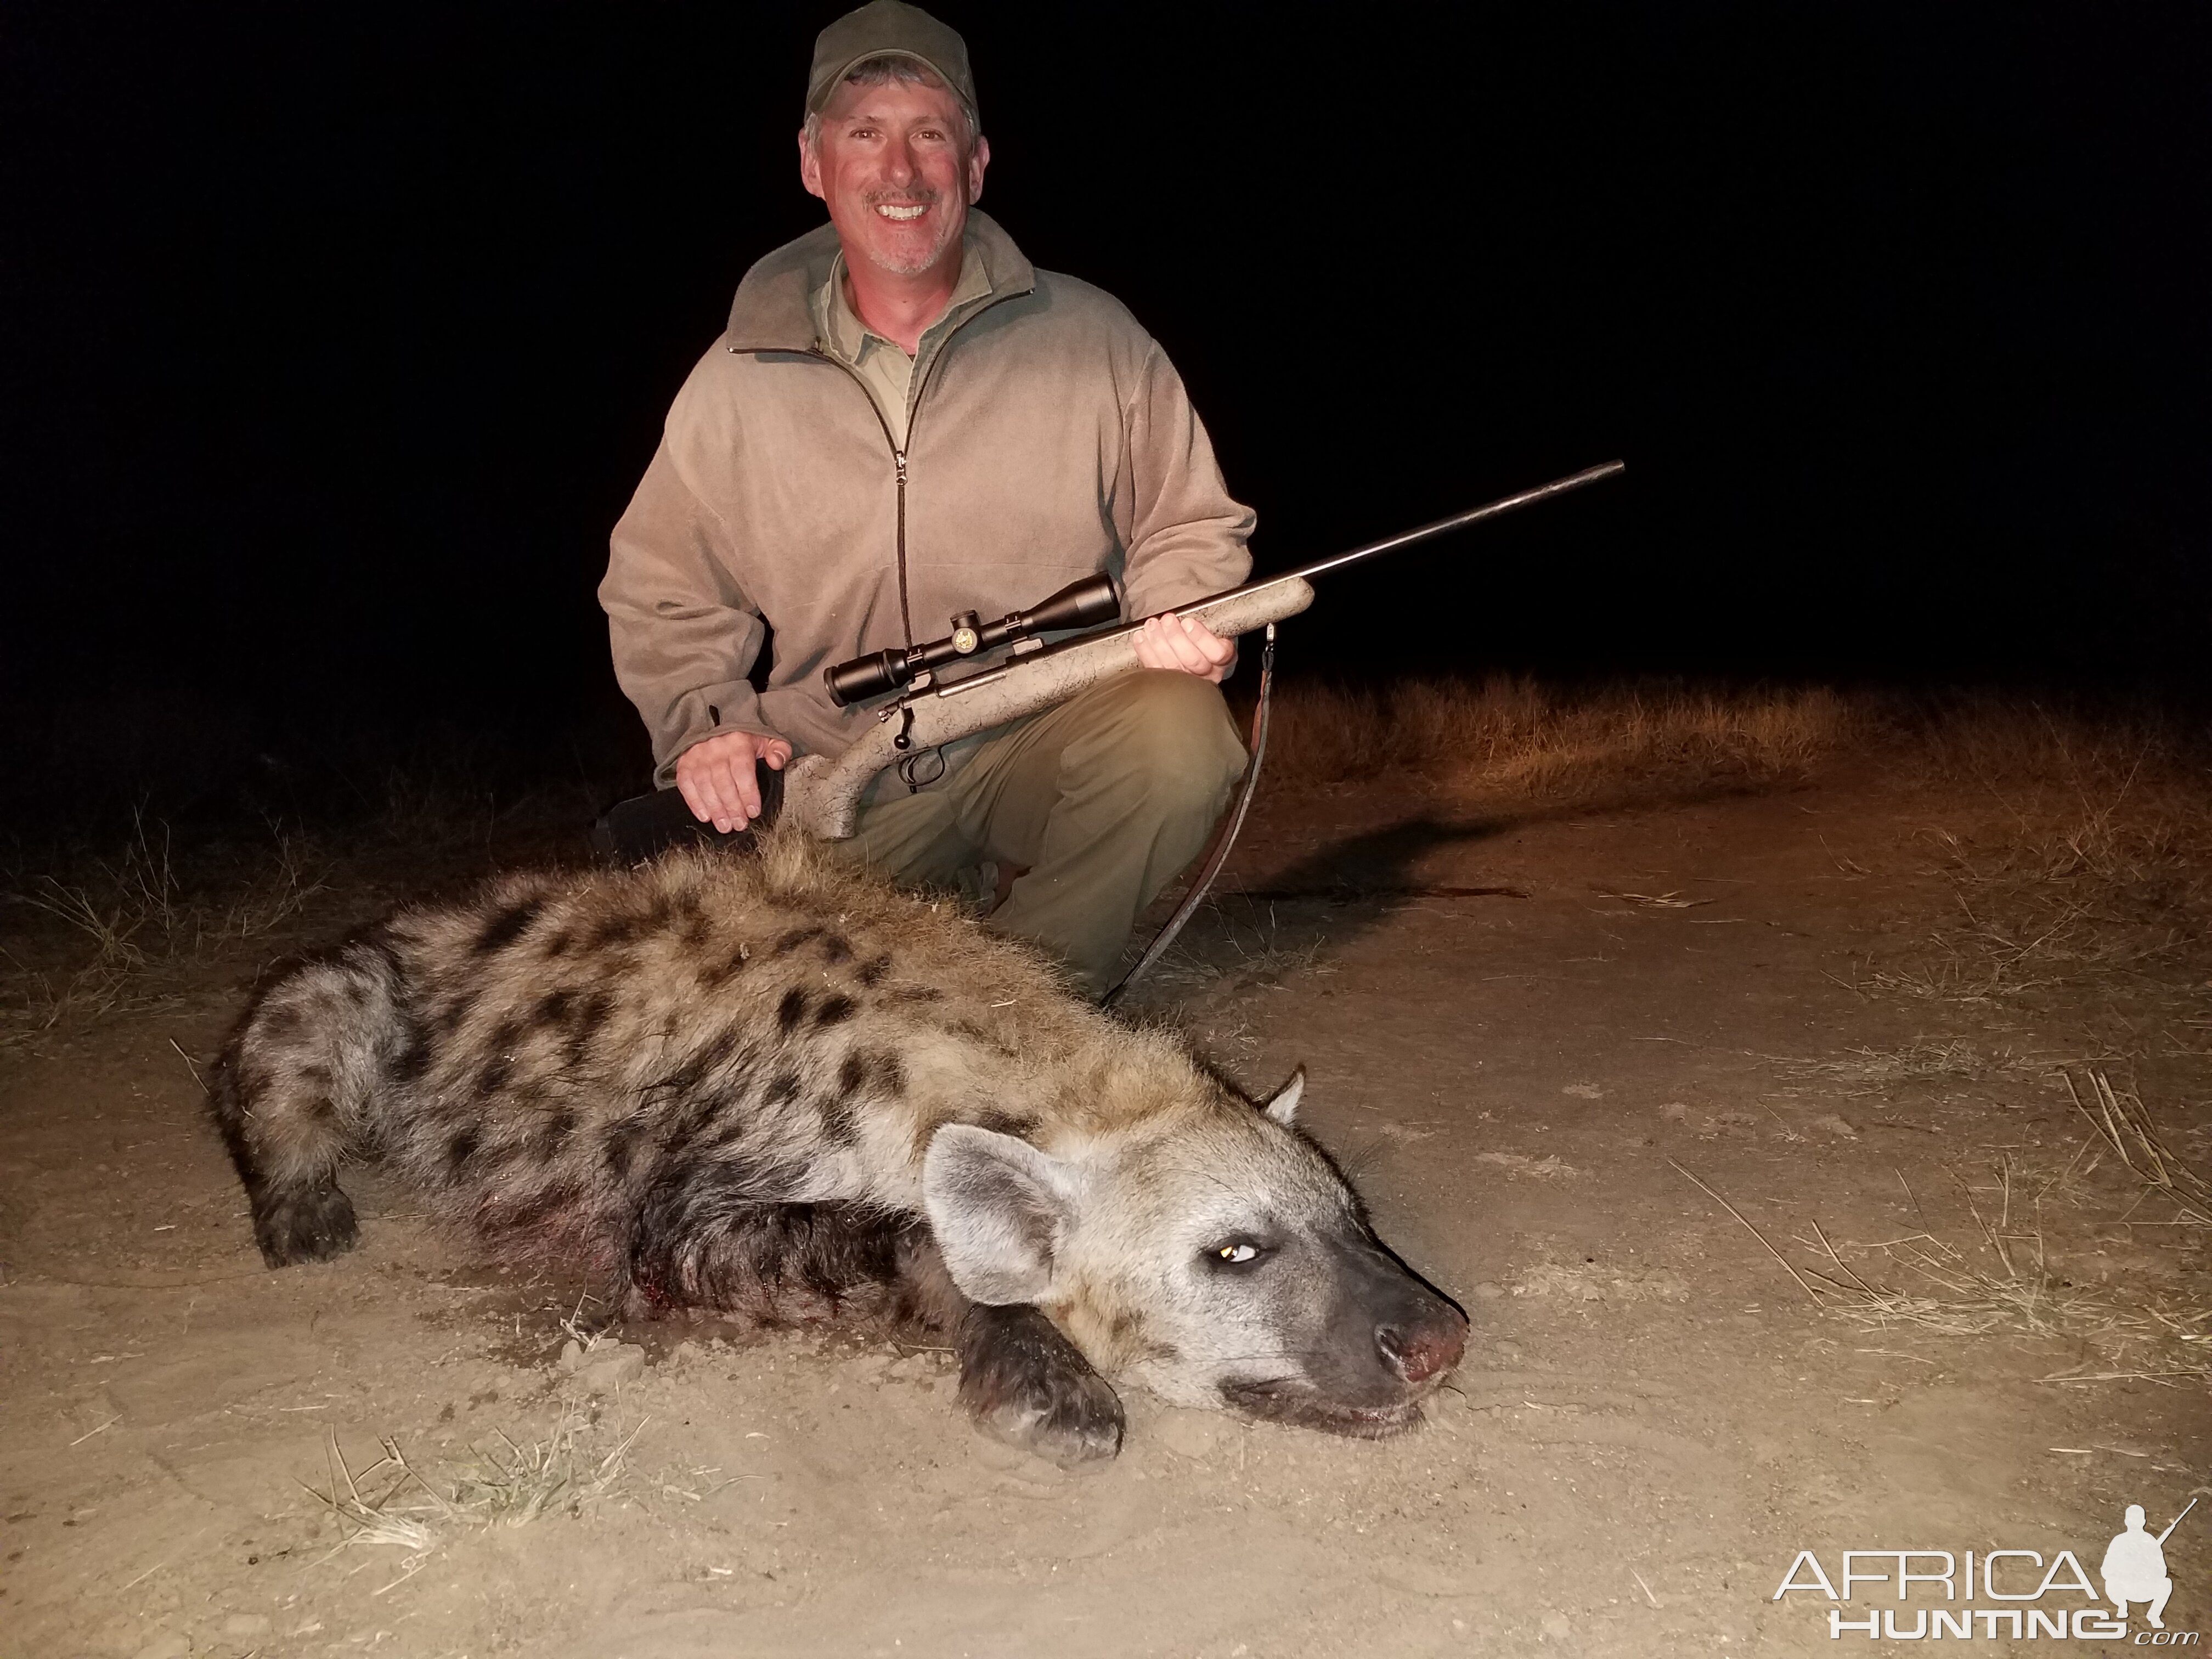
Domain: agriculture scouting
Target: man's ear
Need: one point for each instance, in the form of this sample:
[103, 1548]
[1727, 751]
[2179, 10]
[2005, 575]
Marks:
[1000, 1210]
[810, 166]
[1284, 1105]
[979, 159]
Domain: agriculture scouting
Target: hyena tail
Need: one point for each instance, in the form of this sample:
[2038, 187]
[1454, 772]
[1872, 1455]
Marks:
[293, 1090]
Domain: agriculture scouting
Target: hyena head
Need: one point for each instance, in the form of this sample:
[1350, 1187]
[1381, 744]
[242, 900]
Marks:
[1216, 1256]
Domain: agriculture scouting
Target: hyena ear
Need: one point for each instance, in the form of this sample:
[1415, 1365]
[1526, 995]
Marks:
[998, 1209]
[1284, 1105]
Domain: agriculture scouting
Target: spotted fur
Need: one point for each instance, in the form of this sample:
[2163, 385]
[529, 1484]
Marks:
[770, 1087]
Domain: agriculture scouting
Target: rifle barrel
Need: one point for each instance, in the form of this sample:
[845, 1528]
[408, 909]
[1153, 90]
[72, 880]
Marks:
[2176, 1522]
[1458, 520]
[1505, 504]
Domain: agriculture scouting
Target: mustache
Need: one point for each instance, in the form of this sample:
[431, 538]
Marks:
[911, 196]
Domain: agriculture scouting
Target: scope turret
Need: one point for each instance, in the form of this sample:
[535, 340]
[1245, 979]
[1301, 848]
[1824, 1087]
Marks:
[1078, 604]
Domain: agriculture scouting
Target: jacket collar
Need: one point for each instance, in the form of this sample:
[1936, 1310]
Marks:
[774, 310]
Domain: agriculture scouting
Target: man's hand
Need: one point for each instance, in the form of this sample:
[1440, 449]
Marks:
[1168, 641]
[716, 777]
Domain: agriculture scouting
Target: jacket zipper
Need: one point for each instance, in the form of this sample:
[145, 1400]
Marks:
[898, 460]
[898, 464]
[899, 453]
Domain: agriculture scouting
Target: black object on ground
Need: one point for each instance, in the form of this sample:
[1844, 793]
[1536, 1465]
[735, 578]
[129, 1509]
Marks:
[646, 826]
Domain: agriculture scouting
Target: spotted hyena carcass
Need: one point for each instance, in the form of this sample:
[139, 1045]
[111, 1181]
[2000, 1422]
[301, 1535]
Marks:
[775, 1089]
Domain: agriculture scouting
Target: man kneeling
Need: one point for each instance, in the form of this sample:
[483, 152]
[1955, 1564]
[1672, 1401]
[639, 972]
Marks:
[905, 421]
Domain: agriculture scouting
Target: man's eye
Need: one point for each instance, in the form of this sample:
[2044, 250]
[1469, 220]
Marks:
[1237, 1254]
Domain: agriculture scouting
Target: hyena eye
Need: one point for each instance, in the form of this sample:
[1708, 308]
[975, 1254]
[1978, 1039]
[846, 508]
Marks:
[1236, 1253]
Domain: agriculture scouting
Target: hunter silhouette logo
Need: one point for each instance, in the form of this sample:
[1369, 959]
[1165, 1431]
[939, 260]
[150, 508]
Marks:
[2135, 1566]
[2133, 1571]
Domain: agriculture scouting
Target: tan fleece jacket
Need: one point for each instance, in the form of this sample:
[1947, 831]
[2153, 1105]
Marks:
[1048, 438]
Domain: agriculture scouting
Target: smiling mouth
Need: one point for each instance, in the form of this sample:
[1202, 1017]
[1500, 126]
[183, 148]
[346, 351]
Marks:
[901, 212]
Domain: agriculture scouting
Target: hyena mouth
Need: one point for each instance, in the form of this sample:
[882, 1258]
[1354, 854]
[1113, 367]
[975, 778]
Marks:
[1292, 1402]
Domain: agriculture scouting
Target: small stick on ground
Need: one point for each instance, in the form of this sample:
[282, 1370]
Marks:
[1803, 1284]
[1855, 1280]
[2125, 1126]
[189, 1067]
[1910, 1193]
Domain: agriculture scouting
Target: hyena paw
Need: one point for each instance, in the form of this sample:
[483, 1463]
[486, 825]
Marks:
[1025, 1384]
[308, 1224]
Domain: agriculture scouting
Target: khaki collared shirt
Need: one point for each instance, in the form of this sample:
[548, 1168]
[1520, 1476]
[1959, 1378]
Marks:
[883, 365]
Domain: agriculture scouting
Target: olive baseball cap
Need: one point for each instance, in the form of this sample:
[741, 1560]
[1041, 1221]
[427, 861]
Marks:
[889, 26]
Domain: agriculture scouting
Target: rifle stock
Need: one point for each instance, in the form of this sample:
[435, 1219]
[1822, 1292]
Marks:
[822, 794]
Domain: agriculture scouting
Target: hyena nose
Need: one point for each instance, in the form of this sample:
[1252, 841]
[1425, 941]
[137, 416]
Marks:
[1417, 1353]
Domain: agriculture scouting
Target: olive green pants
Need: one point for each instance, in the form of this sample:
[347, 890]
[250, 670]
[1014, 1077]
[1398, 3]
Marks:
[1101, 800]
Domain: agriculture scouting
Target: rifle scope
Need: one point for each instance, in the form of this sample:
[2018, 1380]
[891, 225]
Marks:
[1078, 604]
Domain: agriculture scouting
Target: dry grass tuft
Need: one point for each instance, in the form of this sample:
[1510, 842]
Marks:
[510, 1485]
[33, 1002]
[504, 1484]
[378, 1515]
[1947, 1291]
[2036, 914]
[2097, 859]
[2125, 1125]
[137, 908]
[2017, 748]
[1514, 734]
[140, 916]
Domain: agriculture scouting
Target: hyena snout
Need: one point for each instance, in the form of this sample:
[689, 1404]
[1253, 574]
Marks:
[1391, 1338]
[1372, 1343]
[1425, 1343]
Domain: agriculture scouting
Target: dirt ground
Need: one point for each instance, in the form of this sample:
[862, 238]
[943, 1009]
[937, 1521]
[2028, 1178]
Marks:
[1547, 1093]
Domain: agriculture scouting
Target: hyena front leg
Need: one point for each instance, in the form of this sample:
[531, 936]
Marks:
[1021, 1380]
[289, 1092]
[1024, 1383]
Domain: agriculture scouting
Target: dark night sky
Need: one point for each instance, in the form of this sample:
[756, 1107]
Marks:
[338, 339]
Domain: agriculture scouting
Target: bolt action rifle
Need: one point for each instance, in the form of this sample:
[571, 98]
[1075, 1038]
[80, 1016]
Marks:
[820, 794]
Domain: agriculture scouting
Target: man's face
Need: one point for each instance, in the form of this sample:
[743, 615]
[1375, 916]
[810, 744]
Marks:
[888, 160]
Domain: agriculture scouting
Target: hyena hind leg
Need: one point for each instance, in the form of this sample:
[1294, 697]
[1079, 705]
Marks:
[289, 1094]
